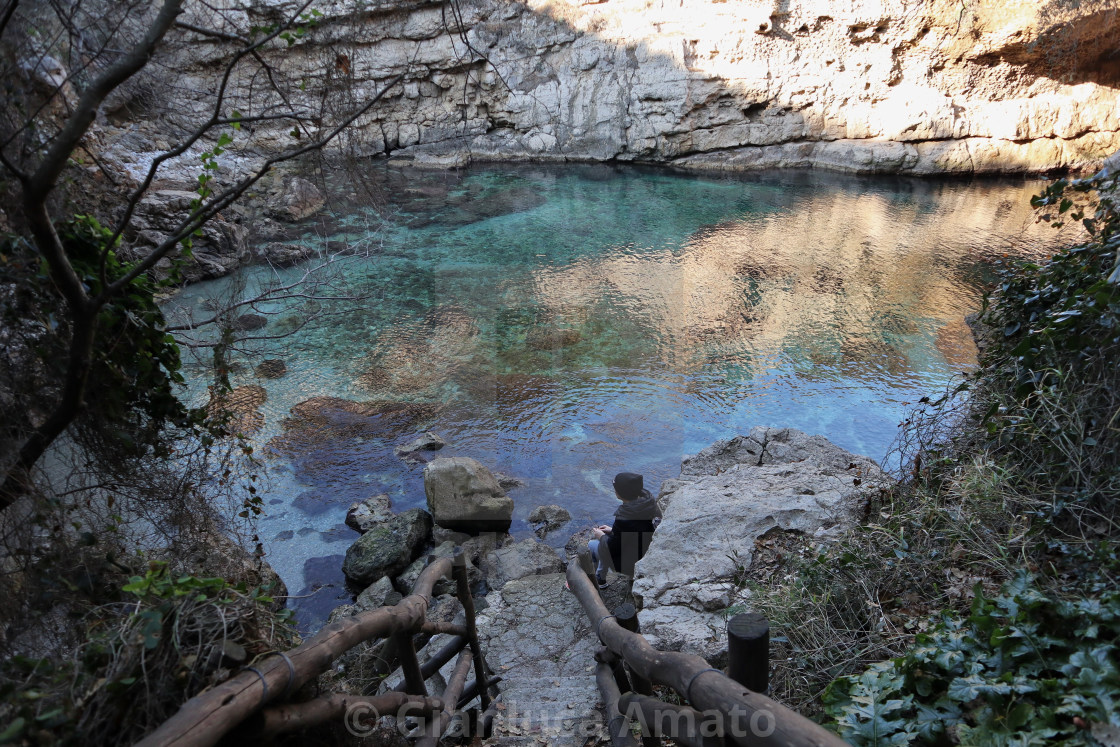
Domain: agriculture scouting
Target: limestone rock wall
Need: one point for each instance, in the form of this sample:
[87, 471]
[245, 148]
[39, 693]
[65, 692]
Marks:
[918, 86]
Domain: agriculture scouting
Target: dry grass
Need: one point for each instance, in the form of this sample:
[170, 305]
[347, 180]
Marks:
[142, 659]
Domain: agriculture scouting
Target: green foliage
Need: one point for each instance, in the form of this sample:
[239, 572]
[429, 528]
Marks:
[136, 364]
[1050, 367]
[177, 635]
[1022, 668]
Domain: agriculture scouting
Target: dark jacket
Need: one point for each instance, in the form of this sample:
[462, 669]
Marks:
[632, 531]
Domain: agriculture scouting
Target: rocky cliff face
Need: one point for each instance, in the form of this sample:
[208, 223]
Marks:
[917, 86]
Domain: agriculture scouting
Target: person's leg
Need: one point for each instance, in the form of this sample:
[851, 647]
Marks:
[597, 560]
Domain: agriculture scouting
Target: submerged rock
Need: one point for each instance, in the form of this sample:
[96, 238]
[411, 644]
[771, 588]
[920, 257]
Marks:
[386, 549]
[271, 368]
[241, 406]
[464, 495]
[323, 420]
[552, 339]
[544, 519]
[414, 451]
[728, 496]
[248, 322]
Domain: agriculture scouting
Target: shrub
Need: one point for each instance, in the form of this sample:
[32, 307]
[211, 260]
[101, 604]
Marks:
[1022, 668]
[172, 637]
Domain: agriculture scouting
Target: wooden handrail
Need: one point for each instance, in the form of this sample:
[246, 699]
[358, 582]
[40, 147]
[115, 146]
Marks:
[752, 719]
[655, 715]
[284, 719]
[207, 717]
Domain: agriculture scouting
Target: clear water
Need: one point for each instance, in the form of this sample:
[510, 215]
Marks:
[563, 324]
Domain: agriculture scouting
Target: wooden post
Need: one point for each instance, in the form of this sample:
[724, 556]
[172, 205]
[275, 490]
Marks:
[618, 726]
[627, 617]
[748, 651]
[438, 724]
[463, 589]
[410, 665]
[618, 668]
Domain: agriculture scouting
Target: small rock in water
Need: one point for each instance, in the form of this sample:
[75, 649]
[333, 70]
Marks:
[364, 515]
[281, 254]
[545, 519]
[508, 482]
[412, 452]
[248, 322]
[272, 368]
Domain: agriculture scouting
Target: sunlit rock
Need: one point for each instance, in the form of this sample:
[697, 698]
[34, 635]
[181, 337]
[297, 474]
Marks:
[728, 496]
[463, 494]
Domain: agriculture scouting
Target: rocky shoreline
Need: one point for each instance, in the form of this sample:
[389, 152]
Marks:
[728, 497]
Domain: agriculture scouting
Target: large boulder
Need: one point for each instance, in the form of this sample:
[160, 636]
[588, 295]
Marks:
[464, 495]
[728, 496]
[300, 199]
[386, 549]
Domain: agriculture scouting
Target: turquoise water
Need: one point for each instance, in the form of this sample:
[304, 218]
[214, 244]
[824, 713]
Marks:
[561, 324]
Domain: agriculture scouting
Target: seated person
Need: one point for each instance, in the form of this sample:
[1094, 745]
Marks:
[629, 537]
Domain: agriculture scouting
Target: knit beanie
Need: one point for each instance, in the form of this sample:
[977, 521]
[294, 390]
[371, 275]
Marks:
[628, 485]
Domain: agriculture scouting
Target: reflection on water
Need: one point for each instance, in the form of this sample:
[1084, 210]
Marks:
[563, 324]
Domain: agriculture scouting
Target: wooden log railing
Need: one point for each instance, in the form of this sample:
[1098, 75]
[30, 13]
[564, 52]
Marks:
[284, 719]
[746, 717]
[244, 699]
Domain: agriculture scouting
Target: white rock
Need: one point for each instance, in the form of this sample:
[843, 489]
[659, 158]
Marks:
[727, 496]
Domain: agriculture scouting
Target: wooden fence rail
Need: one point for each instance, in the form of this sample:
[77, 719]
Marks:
[749, 718]
[206, 718]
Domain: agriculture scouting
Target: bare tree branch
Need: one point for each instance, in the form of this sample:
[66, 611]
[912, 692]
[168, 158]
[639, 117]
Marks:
[212, 33]
[226, 198]
[9, 11]
[215, 115]
[44, 178]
